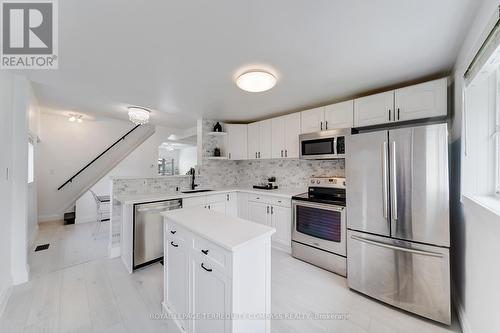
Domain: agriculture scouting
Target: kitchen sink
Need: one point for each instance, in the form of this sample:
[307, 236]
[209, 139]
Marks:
[195, 191]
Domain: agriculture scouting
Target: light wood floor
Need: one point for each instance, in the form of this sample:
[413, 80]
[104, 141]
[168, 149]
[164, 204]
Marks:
[76, 288]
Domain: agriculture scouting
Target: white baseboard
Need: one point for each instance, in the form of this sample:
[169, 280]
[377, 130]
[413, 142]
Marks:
[4, 299]
[462, 318]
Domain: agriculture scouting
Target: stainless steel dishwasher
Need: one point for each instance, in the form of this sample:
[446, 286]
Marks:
[148, 231]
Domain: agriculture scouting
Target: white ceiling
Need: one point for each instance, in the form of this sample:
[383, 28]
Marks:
[179, 58]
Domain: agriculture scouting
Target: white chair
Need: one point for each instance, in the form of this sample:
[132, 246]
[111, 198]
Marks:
[103, 208]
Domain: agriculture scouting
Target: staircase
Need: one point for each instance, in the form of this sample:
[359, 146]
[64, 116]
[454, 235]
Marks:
[83, 179]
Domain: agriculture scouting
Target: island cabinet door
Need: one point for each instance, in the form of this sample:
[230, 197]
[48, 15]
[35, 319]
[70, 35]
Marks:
[177, 279]
[211, 298]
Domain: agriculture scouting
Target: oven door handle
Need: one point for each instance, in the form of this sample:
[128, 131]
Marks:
[318, 205]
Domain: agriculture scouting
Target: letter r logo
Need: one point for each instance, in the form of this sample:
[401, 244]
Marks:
[27, 27]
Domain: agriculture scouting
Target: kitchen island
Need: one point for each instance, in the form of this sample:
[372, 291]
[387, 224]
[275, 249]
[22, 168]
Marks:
[217, 272]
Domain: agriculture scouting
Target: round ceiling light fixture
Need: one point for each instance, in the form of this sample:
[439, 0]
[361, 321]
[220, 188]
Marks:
[138, 115]
[256, 81]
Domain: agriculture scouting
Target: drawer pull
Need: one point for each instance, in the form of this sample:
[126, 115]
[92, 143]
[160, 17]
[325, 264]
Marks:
[205, 252]
[173, 232]
[174, 245]
[207, 269]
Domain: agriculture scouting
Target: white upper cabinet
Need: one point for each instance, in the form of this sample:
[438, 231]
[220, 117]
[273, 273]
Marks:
[265, 139]
[373, 110]
[278, 137]
[312, 120]
[260, 139]
[423, 100]
[285, 136]
[292, 131]
[339, 115]
[237, 145]
[253, 140]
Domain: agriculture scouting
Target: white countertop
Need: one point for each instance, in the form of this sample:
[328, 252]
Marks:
[226, 231]
[141, 198]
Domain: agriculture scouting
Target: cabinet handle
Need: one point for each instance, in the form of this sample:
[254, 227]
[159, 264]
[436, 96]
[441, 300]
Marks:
[321, 125]
[272, 210]
[267, 209]
[398, 113]
[286, 152]
[229, 155]
[205, 252]
[282, 153]
[207, 269]
[208, 206]
[326, 124]
[174, 245]
[227, 195]
[255, 154]
[259, 154]
[173, 232]
[389, 114]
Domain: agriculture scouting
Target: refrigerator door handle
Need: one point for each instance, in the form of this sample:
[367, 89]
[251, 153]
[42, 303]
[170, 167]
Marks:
[384, 179]
[394, 186]
[397, 248]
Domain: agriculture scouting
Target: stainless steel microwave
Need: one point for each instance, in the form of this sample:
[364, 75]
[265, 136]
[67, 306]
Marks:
[323, 145]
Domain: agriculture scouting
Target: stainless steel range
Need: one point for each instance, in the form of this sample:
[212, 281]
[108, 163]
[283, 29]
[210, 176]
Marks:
[319, 224]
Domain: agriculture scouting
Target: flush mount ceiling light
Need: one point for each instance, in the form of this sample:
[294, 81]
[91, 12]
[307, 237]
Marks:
[256, 81]
[138, 115]
[72, 118]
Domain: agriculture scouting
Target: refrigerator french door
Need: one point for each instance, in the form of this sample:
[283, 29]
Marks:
[398, 218]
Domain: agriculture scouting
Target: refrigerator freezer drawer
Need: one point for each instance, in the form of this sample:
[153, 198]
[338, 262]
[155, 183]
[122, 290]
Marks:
[410, 276]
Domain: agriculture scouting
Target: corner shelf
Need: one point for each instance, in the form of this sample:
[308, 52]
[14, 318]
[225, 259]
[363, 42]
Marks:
[217, 133]
[217, 157]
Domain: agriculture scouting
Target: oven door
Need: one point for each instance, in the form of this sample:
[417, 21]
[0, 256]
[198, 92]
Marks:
[319, 225]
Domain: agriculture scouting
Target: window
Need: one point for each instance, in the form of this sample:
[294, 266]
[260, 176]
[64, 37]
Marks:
[31, 161]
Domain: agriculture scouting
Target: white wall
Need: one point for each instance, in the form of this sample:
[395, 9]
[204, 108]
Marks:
[6, 91]
[187, 159]
[34, 129]
[475, 230]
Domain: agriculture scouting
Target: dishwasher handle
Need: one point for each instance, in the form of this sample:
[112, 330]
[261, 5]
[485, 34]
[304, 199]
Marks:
[175, 204]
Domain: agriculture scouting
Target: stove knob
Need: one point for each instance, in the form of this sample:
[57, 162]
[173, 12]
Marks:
[312, 181]
[317, 182]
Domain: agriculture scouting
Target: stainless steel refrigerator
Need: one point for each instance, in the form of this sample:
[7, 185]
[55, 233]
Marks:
[398, 218]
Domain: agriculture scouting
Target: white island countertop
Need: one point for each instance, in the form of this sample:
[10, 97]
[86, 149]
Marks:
[130, 199]
[226, 231]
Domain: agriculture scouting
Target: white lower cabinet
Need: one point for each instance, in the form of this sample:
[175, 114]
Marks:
[232, 204]
[219, 206]
[205, 283]
[258, 212]
[274, 213]
[281, 220]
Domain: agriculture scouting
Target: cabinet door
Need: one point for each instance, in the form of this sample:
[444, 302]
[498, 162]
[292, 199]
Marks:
[281, 218]
[242, 205]
[258, 212]
[253, 140]
[278, 137]
[232, 204]
[219, 206]
[194, 201]
[339, 115]
[211, 294]
[265, 139]
[373, 110]
[176, 271]
[423, 100]
[292, 131]
[237, 141]
[312, 120]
